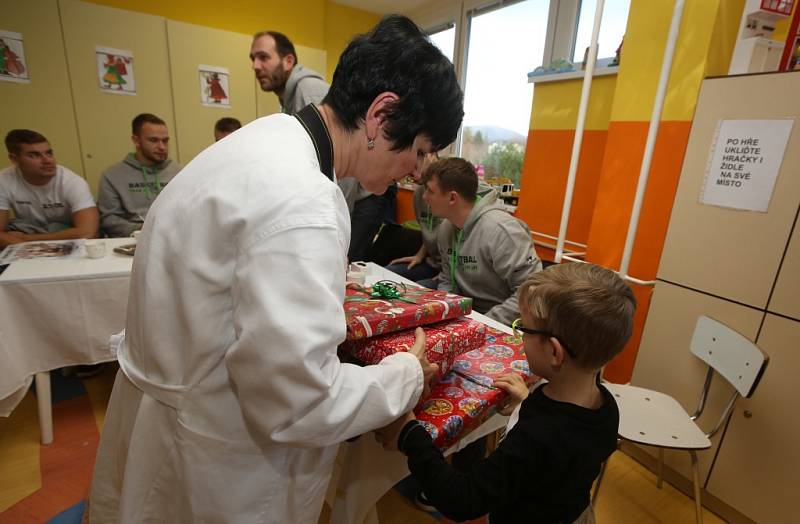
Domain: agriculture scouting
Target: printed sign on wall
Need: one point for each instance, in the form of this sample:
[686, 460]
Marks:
[214, 86]
[12, 58]
[744, 163]
[115, 70]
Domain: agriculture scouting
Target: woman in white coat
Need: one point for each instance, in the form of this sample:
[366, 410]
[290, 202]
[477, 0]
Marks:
[230, 401]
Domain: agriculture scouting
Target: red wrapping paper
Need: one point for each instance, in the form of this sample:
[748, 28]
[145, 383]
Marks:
[444, 342]
[367, 317]
[464, 398]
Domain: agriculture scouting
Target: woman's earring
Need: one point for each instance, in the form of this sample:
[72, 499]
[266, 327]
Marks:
[370, 143]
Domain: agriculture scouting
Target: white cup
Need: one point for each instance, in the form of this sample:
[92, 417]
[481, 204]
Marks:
[357, 273]
[95, 249]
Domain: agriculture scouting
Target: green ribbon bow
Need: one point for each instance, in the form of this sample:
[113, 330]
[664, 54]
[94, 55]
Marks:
[389, 290]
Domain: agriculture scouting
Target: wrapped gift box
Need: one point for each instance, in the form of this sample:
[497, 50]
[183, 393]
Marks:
[368, 316]
[455, 407]
[465, 397]
[501, 354]
[444, 342]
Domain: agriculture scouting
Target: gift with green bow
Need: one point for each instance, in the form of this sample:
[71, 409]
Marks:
[387, 306]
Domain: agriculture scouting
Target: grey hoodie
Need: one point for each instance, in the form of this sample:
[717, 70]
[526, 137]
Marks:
[303, 87]
[126, 192]
[493, 255]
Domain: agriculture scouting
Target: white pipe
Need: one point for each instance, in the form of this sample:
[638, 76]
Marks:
[652, 134]
[551, 237]
[576, 143]
[649, 283]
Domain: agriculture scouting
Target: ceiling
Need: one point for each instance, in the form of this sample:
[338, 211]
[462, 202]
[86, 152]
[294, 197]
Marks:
[383, 7]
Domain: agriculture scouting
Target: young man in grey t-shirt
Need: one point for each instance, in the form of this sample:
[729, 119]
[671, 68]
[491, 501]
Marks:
[49, 201]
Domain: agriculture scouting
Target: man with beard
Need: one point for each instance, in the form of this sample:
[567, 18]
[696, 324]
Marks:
[277, 70]
[127, 189]
[275, 64]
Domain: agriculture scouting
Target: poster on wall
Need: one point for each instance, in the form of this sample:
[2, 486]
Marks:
[744, 162]
[115, 70]
[12, 58]
[214, 86]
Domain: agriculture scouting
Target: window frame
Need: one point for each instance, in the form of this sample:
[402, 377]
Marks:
[560, 40]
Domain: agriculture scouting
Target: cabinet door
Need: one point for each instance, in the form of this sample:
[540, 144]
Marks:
[786, 297]
[665, 364]
[189, 47]
[758, 467]
[104, 119]
[732, 253]
[45, 103]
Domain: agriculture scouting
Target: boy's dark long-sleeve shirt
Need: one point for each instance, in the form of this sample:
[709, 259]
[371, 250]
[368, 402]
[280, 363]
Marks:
[541, 472]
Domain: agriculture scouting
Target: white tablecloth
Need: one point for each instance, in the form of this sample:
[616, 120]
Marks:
[57, 313]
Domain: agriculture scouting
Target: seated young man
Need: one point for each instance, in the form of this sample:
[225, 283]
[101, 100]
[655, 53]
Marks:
[486, 253]
[128, 189]
[49, 201]
[575, 318]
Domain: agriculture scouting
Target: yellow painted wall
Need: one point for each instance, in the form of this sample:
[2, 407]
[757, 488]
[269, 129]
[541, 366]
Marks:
[341, 24]
[45, 104]
[104, 119]
[301, 20]
[643, 52]
[318, 24]
[191, 45]
[723, 39]
[555, 104]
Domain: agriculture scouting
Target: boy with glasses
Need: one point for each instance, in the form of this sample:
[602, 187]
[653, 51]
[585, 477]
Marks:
[575, 318]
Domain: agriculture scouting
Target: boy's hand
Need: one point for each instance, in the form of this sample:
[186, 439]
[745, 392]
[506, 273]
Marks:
[428, 370]
[387, 435]
[515, 386]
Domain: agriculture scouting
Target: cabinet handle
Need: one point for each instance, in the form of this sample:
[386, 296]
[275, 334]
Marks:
[748, 413]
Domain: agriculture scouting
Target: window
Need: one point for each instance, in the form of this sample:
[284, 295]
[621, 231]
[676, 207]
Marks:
[504, 44]
[445, 39]
[612, 28]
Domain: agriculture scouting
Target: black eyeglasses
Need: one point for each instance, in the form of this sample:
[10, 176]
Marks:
[518, 329]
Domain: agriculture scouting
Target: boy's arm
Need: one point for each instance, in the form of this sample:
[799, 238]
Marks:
[494, 482]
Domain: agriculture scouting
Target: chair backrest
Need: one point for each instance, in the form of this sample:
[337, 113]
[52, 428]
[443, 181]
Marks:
[730, 354]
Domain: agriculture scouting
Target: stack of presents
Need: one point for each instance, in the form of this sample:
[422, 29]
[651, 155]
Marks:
[381, 320]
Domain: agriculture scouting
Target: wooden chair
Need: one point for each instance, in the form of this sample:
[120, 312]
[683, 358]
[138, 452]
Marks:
[651, 418]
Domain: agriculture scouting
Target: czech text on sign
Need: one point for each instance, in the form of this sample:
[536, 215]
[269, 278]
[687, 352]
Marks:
[744, 163]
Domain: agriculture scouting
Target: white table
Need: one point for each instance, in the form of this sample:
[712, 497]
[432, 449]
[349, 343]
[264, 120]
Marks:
[364, 471]
[56, 313]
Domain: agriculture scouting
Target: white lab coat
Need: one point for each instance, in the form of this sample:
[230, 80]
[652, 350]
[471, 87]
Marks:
[231, 401]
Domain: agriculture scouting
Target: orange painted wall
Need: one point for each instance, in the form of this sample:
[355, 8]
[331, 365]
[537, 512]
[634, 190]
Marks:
[405, 205]
[544, 183]
[612, 210]
[622, 162]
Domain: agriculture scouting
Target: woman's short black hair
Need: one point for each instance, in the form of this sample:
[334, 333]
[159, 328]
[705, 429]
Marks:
[397, 57]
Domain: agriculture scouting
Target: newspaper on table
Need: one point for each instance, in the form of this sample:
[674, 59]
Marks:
[50, 249]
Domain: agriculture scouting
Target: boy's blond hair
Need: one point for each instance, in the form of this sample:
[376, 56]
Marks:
[588, 308]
